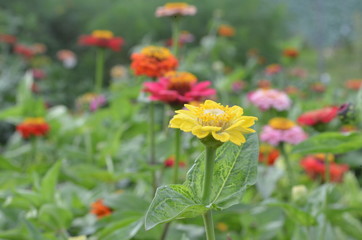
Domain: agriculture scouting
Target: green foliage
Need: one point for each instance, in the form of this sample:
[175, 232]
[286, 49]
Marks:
[330, 142]
[235, 170]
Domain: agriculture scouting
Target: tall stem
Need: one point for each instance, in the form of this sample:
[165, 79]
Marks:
[177, 155]
[151, 132]
[175, 34]
[99, 70]
[287, 164]
[327, 173]
[34, 151]
[209, 225]
[209, 170]
[152, 143]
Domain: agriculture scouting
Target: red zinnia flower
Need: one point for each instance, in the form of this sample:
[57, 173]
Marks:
[102, 39]
[268, 154]
[178, 88]
[33, 127]
[6, 38]
[153, 62]
[100, 210]
[25, 51]
[314, 166]
[169, 162]
[291, 53]
[324, 115]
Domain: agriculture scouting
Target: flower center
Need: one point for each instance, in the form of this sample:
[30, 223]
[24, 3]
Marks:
[34, 121]
[105, 34]
[215, 117]
[176, 5]
[180, 81]
[159, 53]
[281, 123]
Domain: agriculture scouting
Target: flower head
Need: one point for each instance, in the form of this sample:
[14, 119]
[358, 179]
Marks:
[354, 84]
[273, 69]
[33, 127]
[320, 116]
[100, 210]
[178, 88]
[281, 130]
[176, 9]
[153, 61]
[315, 167]
[24, 51]
[291, 53]
[6, 38]
[169, 162]
[118, 71]
[102, 39]
[67, 57]
[222, 123]
[226, 30]
[268, 154]
[91, 102]
[266, 99]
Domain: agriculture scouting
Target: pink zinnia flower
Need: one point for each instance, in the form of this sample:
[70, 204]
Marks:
[178, 88]
[266, 99]
[281, 130]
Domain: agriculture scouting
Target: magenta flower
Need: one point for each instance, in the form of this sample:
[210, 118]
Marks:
[266, 99]
[178, 88]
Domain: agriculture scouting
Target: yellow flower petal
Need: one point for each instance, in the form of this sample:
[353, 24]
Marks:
[222, 136]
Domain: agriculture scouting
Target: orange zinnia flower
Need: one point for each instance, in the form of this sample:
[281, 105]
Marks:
[226, 30]
[176, 9]
[153, 62]
[291, 53]
[100, 210]
[354, 84]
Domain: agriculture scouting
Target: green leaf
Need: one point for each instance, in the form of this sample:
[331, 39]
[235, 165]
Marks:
[296, 214]
[123, 229]
[54, 217]
[235, 169]
[49, 182]
[330, 142]
[173, 202]
[349, 224]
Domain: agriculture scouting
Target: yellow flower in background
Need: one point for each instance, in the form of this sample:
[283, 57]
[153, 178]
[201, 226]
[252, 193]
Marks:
[102, 34]
[223, 123]
[281, 123]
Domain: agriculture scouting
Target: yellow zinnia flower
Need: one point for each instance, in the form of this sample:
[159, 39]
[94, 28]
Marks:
[224, 123]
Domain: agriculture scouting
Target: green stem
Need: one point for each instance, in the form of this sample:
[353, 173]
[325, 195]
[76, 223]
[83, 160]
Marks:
[209, 225]
[177, 155]
[175, 34]
[151, 132]
[287, 164]
[152, 144]
[99, 70]
[209, 170]
[34, 151]
[328, 168]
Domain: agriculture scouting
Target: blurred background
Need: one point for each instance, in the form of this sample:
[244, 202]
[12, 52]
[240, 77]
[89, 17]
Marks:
[328, 34]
